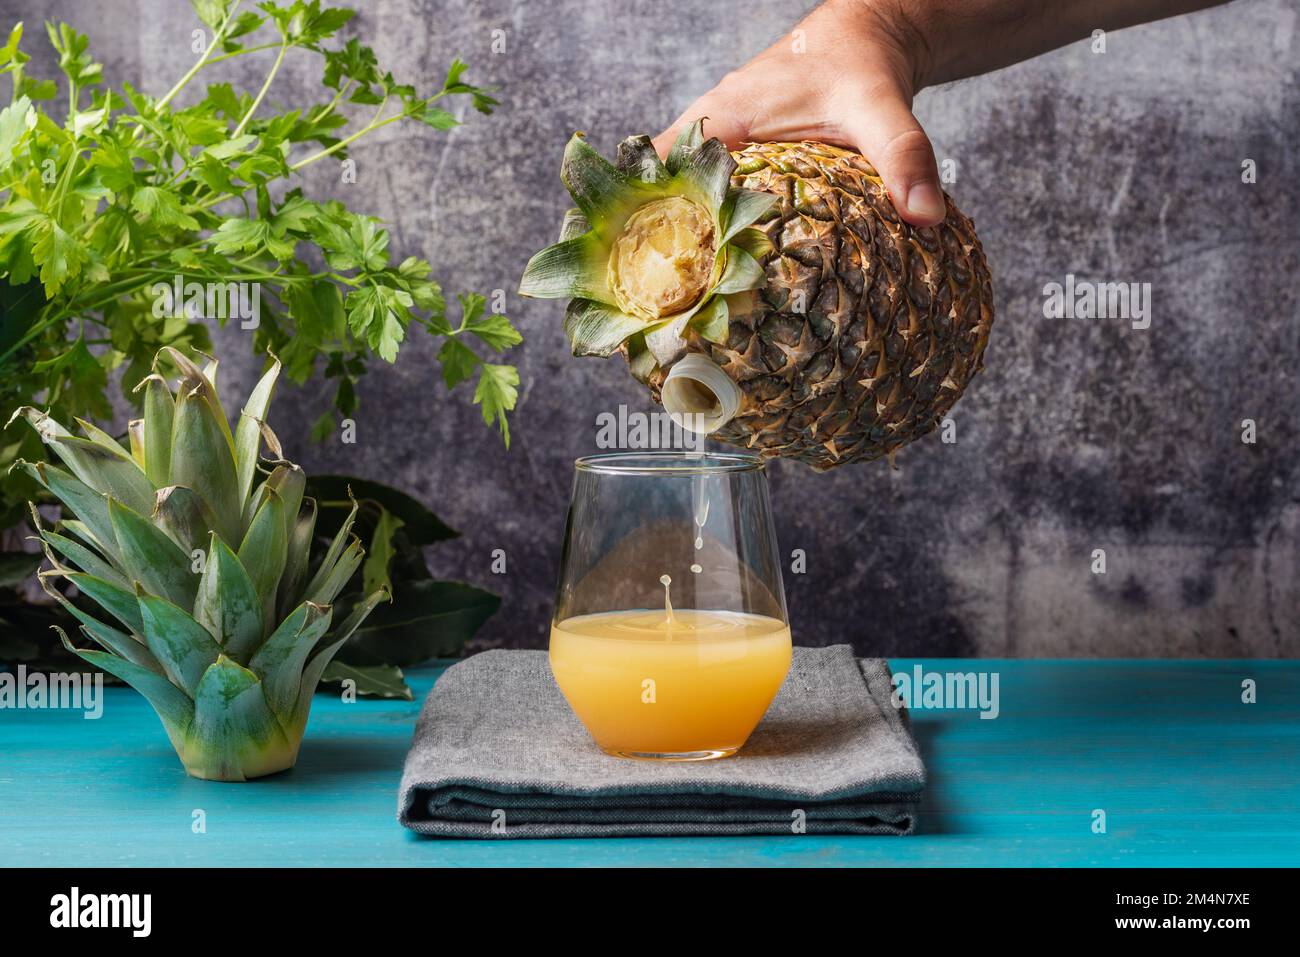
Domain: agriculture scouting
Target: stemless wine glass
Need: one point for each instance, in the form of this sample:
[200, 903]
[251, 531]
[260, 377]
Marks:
[670, 636]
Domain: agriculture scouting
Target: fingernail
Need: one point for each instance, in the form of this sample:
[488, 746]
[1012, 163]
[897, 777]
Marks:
[926, 202]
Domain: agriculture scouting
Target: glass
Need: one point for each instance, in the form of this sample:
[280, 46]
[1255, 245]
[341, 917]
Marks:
[670, 636]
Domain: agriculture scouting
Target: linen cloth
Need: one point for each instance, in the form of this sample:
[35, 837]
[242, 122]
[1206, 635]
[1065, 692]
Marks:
[498, 753]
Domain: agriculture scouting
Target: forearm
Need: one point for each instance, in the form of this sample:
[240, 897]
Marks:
[851, 77]
[953, 39]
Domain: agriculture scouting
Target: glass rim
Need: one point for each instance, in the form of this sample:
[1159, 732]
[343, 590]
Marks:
[670, 462]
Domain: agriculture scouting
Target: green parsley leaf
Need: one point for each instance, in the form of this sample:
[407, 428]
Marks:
[74, 61]
[354, 242]
[373, 314]
[211, 12]
[495, 331]
[497, 392]
[437, 118]
[162, 208]
[238, 235]
[84, 381]
[458, 362]
[60, 255]
[15, 120]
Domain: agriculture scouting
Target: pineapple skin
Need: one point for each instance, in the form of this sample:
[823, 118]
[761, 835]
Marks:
[867, 329]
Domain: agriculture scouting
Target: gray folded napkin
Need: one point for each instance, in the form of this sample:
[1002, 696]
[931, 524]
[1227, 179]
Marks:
[499, 753]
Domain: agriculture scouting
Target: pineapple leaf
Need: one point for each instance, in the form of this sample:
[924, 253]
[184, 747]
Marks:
[289, 481]
[234, 735]
[151, 558]
[90, 506]
[711, 321]
[753, 241]
[135, 436]
[295, 567]
[159, 410]
[114, 474]
[209, 369]
[84, 558]
[101, 438]
[709, 171]
[110, 638]
[597, 188]
[574, 225]
[640, 360]
[182, 646]
[248, 433]
[173, 707]
[687, 142]
[228, 604]
[335, 550]
[83, 532]
[194, 379]
[575, 267]
[326, 650]
[743, 273]
[743, 208]
[324, 592]
[264, 550]
[118, 602]
[597, 329]
[201, 459]
[184, 516]
[118, 642]
[279, 662]
[637, 159]
[667, 342]
[108, 470]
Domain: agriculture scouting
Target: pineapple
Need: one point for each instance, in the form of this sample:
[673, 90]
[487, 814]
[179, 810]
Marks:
[212, 611]
[847, 332]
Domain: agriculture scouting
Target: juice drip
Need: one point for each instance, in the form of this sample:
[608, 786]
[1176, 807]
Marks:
[700, 499]
[668, 605]
[700, 504]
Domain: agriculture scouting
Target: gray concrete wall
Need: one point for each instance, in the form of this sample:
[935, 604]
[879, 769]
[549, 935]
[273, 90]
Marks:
[1082, 434]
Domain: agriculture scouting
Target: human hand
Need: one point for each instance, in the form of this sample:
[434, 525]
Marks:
[848, 72]
[845, 75]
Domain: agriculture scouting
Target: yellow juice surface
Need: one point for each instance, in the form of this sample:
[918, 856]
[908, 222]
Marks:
[645, 682]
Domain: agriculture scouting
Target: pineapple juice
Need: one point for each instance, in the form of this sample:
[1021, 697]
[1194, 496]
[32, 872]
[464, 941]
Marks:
[680, 683]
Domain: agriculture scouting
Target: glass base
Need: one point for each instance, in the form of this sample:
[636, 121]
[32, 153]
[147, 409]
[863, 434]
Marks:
[711, 755]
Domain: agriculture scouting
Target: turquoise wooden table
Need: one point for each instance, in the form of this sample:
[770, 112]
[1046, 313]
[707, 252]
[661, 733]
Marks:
[1186, 773]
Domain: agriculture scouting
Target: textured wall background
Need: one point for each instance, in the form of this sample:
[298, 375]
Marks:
[1082, 434]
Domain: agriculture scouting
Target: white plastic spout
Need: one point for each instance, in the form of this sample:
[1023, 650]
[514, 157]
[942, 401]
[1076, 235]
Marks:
[698, 395]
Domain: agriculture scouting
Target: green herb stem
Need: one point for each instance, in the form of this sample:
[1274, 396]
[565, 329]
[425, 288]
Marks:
[261, 94]
[216, 38]
[294, 167]
[343, 143]
[240, 52]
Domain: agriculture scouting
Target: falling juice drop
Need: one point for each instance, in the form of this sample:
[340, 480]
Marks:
[668, 602]
[700, 499]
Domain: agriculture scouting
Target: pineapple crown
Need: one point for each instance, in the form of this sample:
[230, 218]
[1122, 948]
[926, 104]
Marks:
[653, 248]
[216, 616]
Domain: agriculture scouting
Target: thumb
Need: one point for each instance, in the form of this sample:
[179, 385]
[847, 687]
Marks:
[888, 135]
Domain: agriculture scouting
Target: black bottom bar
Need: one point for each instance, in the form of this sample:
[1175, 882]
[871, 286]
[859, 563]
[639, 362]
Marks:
[379, 907]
